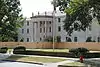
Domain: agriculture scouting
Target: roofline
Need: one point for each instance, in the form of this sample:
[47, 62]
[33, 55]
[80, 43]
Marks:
[41, 16]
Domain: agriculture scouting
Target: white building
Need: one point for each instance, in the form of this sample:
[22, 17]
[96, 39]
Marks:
[40, 27]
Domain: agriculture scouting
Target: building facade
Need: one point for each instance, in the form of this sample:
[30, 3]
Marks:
[38, 28]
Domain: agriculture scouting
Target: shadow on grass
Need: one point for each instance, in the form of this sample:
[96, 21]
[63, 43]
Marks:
[14, 57]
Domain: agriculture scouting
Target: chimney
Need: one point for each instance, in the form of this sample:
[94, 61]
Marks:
[45, 13]
[32, 14]
[38, 13]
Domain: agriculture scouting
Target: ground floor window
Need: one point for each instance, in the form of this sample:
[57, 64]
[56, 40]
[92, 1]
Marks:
[75, 39]
[27, 39]
[58, 38]
[98, 39]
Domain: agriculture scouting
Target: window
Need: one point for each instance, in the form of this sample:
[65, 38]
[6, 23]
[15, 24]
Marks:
[58, 38]
[90, 28]
[27, 23]
[27, 30]
[44, 36]
[40, 30]
[59, 28]
[59, 20]
[43, 22]
[98, 39]
[75, 39]
[44, 29]
[49, 29]
[40, 23]
[49, 22]
[27, 39]
[22, 31]
[40, 39]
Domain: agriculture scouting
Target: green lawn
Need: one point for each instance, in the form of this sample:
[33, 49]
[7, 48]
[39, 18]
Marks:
[74, 64]
[35, 59]
[50, 50]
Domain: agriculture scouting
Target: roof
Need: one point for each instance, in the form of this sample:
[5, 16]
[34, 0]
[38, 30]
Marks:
[41, 16]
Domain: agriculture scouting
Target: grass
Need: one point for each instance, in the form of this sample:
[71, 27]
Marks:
[50, 50]
[74, 64]
[34, 59]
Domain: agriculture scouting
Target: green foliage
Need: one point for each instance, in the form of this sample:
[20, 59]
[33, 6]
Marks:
[68, 39]
[10, 19]
[19, 50]
[3, 50]
[58, 39]
[49, 39]
[81, 10]
[78, 51]
[89, 39]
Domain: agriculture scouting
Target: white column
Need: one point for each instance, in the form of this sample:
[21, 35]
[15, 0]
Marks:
[35, 32]
[45, 28]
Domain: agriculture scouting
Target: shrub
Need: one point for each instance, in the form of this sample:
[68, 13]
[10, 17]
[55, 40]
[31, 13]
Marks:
[19, 50]
[3, 50]
[78, 51]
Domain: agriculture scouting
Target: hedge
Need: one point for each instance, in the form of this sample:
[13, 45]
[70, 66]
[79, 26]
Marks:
[19, 50]
[3, 50]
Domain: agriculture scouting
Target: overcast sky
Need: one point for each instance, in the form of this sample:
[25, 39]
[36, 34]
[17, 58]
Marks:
[29, 6]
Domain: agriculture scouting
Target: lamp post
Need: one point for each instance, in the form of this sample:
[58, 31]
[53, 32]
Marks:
[53, 30]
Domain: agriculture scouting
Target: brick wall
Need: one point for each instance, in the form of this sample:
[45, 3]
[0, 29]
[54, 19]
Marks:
[89, 45]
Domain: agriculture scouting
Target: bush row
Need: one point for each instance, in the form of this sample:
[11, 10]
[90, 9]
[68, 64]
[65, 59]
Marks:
[73, 53]
[3, 50]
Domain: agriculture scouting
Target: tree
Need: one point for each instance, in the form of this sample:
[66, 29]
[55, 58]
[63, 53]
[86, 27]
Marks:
[10, 19]
[48, 39]
[89, 39]
[81, 10]
[68, 39]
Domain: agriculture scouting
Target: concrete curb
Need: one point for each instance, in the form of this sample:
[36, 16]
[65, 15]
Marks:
[69, 66]
[24, 62]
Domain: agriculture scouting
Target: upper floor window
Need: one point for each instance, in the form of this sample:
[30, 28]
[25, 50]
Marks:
[90, 28]
[40, 39]
[59, 28]
[49, 29]
[27, 30]
[43, 22]
[27, 39]
[22, 31]
[44, 29]
[59, 19]
[49, 22]
[40, 30]
[75, 39]
[27, 23]
[40, 23]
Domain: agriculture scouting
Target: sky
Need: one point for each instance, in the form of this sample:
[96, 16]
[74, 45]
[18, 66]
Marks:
[29, 6]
